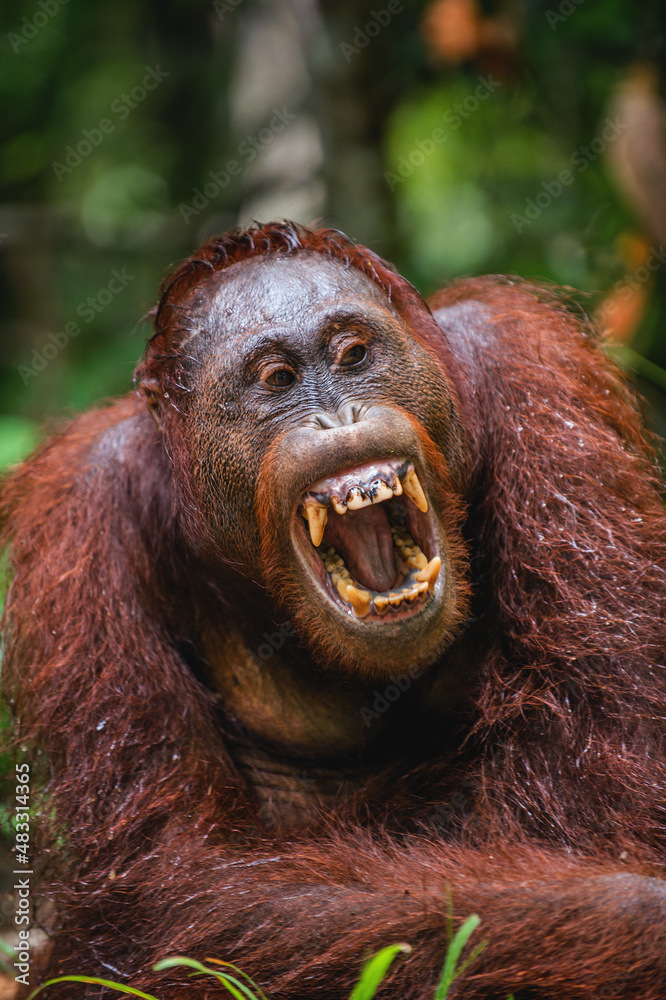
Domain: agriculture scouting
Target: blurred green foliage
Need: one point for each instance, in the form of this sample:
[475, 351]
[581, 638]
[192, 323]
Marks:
[65, 230]
[455, 210]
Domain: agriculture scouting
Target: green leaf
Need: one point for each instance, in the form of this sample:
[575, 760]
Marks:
[96, 981]
[18, 437]
[648, 369]
[375, 970]
[453, 953]
[230, 965]
[6, 949]
[172, 963]
[237, 989]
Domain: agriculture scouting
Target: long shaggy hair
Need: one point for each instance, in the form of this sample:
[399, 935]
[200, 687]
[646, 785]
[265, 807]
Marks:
[543, 803]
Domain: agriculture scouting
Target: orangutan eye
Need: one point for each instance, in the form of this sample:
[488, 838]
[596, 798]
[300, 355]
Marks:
[353, 356]
[280, 378]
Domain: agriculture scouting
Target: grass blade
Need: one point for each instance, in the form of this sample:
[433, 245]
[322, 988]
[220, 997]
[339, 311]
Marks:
[234, 986]
[230, 965]
[375, 970]
[6, 949]
[172, 963]
[96, 981]
[453, 953]
[237, 989]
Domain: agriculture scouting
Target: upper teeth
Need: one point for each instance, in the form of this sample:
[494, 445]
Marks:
[381, 482]
[414, 490]
[378, 491]
[355, 498]
[317, 516]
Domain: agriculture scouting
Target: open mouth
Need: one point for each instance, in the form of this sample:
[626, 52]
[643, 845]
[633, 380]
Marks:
[371, 539]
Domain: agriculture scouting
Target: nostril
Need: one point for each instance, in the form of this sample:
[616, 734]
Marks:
[351, 413]
[325, 421]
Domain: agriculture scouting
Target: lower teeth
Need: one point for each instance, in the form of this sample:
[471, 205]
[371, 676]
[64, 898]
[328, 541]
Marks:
[419, 578]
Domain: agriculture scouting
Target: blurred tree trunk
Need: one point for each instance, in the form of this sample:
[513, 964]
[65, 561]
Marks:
[341, 85]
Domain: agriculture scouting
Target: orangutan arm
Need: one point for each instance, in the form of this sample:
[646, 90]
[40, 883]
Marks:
[301, 919]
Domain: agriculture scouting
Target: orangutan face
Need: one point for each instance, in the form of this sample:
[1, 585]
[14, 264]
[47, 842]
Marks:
[319, 434]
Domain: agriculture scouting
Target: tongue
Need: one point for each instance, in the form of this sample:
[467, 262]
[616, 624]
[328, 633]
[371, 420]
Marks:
[363, 539]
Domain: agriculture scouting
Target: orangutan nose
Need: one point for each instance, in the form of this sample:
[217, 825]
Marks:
[349, 413]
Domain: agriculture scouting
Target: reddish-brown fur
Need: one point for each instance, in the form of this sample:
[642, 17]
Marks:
[542, 806]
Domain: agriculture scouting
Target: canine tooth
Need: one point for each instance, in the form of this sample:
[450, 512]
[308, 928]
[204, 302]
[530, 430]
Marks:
[414, 491]
[360, 600]
[342, 587]
[395, 598]
[430, 573]
[317, 516]
[340, 508]
[397, 486]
